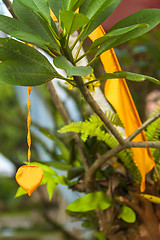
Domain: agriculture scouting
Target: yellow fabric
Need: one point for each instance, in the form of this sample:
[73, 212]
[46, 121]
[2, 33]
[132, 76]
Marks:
[29, 177]
[118, 94]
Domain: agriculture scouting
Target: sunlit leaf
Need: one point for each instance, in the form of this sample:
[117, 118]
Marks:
[91, 201]
[151, 198]
[127, 214]
[20, 192]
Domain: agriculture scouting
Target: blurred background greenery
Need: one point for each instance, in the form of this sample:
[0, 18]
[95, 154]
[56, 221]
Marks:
[35, 217]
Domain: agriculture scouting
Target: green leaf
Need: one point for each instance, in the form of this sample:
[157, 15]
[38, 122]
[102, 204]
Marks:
[20, 192]
[62, 180]
[9, 25]
[130, 76]
[151, 198]
[55, 6]
[35, 24]
[100, 235]
[73, 21]
[39, 7]
[31, 38]
[60, 165]
[98, 12]
[127, 214]
[45, 168]
[23, 65]
[116, 32]
[50, 188]
[63, 149]
[63, 63]
[74, 172]
[151, 17]
[91, 201]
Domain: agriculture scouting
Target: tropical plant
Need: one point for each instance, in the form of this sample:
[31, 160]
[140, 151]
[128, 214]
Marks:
[100, 160]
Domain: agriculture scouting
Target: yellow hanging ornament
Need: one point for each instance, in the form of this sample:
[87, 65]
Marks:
[29, 176]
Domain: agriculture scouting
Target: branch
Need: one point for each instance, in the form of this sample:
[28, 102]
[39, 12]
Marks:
[96, 108]
[89, 179]
[142, 127]
[9, 7]
[59, 105]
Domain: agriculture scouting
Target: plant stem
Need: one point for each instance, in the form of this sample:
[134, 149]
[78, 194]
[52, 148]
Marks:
[142, 127]
[78, 50]
[96, 108]
[9, 7]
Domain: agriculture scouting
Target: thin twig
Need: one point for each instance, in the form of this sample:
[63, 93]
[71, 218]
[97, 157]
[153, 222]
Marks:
[142, 127]
[96, 108]
[59, 105]
[9, 7]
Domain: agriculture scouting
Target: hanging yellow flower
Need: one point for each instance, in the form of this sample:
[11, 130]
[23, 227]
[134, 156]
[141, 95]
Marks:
[29, 176]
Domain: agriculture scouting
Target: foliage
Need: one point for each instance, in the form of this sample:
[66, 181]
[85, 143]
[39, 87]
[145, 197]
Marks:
[108, 191]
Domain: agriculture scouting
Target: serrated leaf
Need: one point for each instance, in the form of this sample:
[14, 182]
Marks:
[73, 21]
[20, 192]
[116, 32]
[127, 214]
[63, 63]
[39, 7]
[91, 201]
[151, 17]
[130, 76]
[23, 65]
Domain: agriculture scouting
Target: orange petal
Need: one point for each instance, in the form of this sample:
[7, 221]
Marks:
[29, 177]
[117, 93]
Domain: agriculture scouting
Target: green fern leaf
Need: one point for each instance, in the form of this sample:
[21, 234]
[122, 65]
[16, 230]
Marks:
[92, 127]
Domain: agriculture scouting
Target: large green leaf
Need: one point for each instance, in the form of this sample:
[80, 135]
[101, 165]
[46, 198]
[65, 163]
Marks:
[55, 6]
[151, 17]
[21, 31]
[130, 76]
[73, 21]
[115, 33]
[127, 214]
[9, 25]
[91, 201]
[97, 11]
[63, 63]
[23, 65]
[39, 7]
[35, 25]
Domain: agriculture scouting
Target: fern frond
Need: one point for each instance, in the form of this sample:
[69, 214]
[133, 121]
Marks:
[153, 131]
[114, 118]
[153, 134]
[92, 127]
